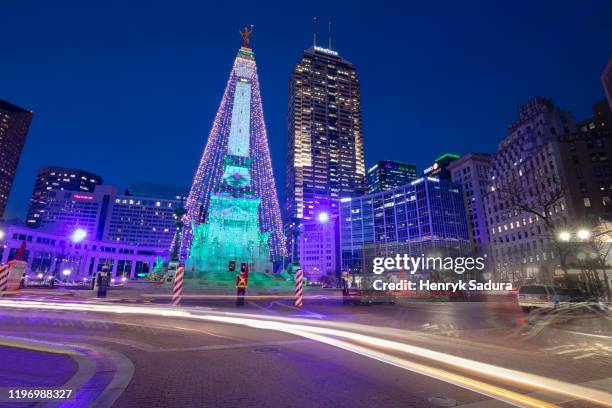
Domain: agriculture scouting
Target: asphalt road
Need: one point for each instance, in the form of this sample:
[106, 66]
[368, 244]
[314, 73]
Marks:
[270, 354]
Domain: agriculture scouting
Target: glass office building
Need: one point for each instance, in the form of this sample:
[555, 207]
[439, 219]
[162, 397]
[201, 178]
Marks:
[389, 174]
[427, 214]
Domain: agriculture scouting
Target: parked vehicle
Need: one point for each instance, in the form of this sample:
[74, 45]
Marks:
[541, 296]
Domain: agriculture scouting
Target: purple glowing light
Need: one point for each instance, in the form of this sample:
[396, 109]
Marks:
[78, 235]
[323, 217]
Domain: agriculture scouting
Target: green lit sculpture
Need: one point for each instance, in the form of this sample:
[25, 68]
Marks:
[232, 231]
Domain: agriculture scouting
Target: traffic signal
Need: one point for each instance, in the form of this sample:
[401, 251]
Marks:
[232, 266]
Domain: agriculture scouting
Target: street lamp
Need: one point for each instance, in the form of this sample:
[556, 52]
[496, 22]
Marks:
[66, 272]
[564, 236]
[323, 217]
[78, 235]
[583, 234]
[2, 235]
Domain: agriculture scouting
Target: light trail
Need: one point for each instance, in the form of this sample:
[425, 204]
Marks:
[321, 334]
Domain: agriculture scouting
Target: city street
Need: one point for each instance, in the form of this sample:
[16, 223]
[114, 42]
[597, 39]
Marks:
[417, 353]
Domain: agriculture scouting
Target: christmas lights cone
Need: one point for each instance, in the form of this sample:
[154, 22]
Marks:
[177, 292]
[4, 274]
[299, 277]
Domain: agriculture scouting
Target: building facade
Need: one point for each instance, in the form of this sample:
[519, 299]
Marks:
[325, 157]
[439, 168]
[586, 159]
[471, 171]
[108, 216]
[57, 178]
[389, 174]
[526, 173]
[317, 247]
[65, 211]
[14, 126]
[49, 253]
[424, 214]
[142, 221]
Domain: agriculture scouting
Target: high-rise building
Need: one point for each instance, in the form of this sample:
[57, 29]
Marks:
[606, 81]
[526, 172]
[157, 190]
[57, 178]
[439, 168]
[427, 214]
[471, 171]
[14, 126]
[389, 174]
[325, 157]
[232, 207]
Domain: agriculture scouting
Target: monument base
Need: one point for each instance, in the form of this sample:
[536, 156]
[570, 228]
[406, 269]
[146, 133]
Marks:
[226, 282]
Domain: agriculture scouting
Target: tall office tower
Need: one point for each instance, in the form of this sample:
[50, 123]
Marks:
[14, 125]
[325, 158]
[526, 168]
[389, 174]
[606, 81]
[57, 178]
[232, 207]
[471, 171]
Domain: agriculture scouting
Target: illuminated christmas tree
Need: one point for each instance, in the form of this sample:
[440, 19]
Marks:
[232, 208]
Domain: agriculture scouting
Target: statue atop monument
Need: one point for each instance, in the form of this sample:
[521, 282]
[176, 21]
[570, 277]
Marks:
[246, 34]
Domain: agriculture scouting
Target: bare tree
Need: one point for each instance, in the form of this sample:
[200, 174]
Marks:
[539, 197]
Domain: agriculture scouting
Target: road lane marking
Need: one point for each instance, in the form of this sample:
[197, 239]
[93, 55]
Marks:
[576, 350]
[558, 347]
[601, 336]
[585, 356]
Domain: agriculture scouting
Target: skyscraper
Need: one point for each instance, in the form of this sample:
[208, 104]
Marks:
[325, 158]
[234, 177]
[389, 174]
[57, 178]
[14, 125]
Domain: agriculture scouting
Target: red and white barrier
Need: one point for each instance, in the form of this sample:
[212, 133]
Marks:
[299, 277]
[177, 292]
[11, 274]
[4, 275]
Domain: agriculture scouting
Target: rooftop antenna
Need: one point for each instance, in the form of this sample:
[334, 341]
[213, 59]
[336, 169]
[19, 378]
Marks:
[314, 31]
[329, 30]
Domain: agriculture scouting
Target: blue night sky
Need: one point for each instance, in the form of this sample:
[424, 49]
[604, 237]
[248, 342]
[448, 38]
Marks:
[128, 90]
